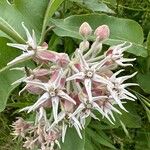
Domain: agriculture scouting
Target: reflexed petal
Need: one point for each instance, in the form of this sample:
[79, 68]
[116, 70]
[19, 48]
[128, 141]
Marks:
[22, 57]
[106, 115]
[129, 94]
[126, 47]
[113, 108]
[65, 96]
[19, 81]
[100, 79]
[78, 110]
[41, 100]
[118, 101]
[60, 117]
[55, 103]
[87, 84]
[95, 106]
[129, 84]
[19, 46]
[123, 78]
[78, 130]
[83, 62]
[31, 39]
[121, 64]
[41, 113]
[64, 129]
[113, 77]
[98, 65]
[82, 121]
[98, 98]
[112, 116]
[76, 121]
[25, 108]
[93, 116]
[124, 96]
[79, 75]
[34, 44]
[127, 59]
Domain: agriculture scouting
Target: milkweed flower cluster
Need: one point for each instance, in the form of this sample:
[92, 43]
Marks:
[71, 88]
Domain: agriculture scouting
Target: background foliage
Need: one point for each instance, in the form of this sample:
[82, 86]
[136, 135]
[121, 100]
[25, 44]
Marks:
[57, 23]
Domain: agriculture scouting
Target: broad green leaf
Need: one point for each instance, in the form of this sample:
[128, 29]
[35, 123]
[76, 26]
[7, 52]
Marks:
[30, 12]
[121, 30]
[7, 53]
[94, 5]
[96, 136]
[72, 140]
[7, 29]
[144, 81]
[7, 77]
[130, 119]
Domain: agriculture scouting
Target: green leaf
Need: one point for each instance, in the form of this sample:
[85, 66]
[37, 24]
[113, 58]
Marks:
[94, 5]
[72, 141]
[148, 42]
[142, 139]
[7, 53]
[96, 136]
[30, 12]
[130, 119]
[144, 81]
[52, 7]
[121, 30]
[7, 77]
[6, 28]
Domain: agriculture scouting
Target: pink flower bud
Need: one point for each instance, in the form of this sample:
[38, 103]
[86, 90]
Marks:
[85, 29]
[84, 45]
[102, 32]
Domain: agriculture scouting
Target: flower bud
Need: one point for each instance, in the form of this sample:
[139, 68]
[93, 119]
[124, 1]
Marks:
[85, 29]
[84, 45]
[102, 32]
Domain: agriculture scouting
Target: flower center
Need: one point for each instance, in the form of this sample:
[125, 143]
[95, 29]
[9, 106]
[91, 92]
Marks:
[52, 93]
[89, 106]
[89, 74]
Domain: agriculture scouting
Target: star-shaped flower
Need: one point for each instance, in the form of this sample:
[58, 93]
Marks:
[88, 74]
[115, 54]
[32, 50]
[117, 88]
[53, 91]
[86, 107]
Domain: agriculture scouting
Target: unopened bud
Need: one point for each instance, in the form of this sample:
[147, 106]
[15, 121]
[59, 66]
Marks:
[102, 32]
[84, 45]
[85, 29]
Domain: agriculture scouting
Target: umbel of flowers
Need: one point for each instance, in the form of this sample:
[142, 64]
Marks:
[71, 88]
